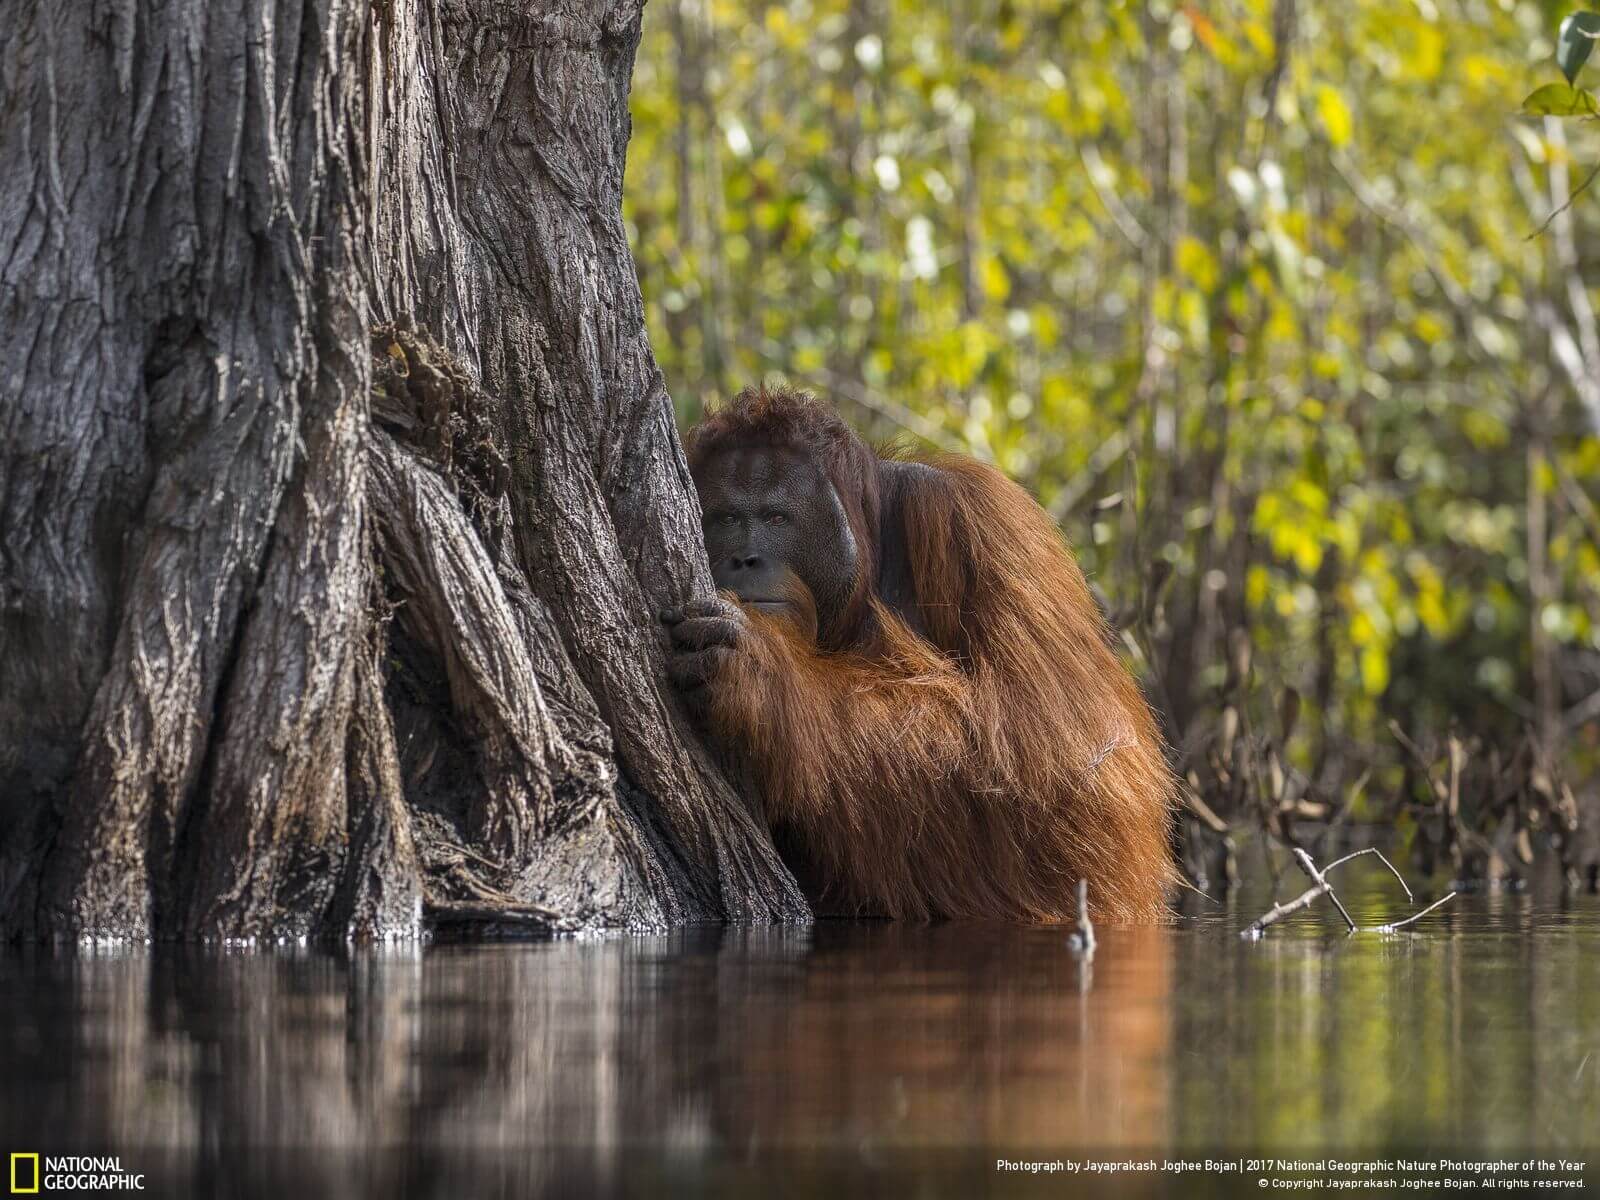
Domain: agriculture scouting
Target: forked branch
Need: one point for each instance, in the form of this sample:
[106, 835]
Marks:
[1322, 887]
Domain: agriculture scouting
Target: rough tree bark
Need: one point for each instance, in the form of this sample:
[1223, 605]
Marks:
[338, 485]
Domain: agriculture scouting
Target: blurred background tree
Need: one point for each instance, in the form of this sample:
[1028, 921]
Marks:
[1266, 303]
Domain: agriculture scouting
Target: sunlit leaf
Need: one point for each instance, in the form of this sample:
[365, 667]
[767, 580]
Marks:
[1196, 261]
[1335, 115]
[1560, 100]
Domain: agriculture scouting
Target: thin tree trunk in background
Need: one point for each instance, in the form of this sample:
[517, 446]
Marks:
[700, 221]
[964, 162]
[339, 488]
[714, 305]
[1546, 685]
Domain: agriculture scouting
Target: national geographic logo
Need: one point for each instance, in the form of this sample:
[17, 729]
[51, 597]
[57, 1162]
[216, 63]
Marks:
[24, 1174]
[31, 1174]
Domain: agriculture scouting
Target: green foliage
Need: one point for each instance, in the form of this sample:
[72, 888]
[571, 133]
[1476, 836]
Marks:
[1574, 43]
[1560, 100]
[1241, 289]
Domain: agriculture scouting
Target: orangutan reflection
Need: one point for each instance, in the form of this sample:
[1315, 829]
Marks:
[549, 1059]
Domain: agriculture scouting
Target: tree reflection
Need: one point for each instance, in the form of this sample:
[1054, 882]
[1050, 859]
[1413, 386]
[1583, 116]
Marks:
[614, 1065]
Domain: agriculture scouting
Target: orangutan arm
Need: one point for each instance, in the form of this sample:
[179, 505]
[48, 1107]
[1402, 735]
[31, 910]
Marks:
[827, 722]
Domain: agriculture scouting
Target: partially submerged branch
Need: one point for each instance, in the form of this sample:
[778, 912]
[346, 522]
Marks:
[1081, 940]
[1392, 926]
[1279, 911]
[1310, 868]
[1322, 887]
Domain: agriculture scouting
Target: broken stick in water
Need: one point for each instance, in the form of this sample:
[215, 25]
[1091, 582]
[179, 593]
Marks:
[1390, 928]
[1279, 911]
[1081, 940]
[1321, 886]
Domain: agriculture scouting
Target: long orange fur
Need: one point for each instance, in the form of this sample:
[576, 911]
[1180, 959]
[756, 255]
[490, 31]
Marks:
[975, 773]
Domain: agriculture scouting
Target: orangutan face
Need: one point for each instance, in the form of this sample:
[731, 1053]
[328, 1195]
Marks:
[774, 527]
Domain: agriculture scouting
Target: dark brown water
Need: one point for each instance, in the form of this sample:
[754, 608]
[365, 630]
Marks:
[844, 1058]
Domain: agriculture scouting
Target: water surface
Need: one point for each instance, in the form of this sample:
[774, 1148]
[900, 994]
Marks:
[847, 1056]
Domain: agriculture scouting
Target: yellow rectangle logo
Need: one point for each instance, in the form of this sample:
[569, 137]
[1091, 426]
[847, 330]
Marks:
[16, 1184]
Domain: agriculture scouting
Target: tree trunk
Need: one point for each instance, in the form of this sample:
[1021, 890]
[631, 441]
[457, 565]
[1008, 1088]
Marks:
[339, 488]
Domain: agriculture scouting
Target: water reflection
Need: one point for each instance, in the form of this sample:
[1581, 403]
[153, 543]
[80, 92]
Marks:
[1480, 1030]
[634, 1063]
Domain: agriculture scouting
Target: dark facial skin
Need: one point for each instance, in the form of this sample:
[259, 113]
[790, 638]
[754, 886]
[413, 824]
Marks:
[778, 538]
[772, 519]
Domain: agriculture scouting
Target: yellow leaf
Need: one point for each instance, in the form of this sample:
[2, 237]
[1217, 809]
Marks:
[1431, 611]
[996, 283]
[1196, 261]
[1374, 670]
[1308, 556]
[1430, 328]
[1257, 585]
[1260, 40]
[1335, 115]
[1426, 57]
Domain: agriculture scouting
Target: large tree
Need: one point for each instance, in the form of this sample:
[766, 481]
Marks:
[339, 489]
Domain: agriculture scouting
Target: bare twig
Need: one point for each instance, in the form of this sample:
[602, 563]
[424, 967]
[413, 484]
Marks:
[1398, 216]
[1279, 911]
[1104, 457]
[1201, 809]
[1099, 174]
[1347, 801]
[1373, 850]
[1577, 498]
[1576, 192]
[1422, 760]
[1584, 711]
[1392, 926]
[1321, 887]
[1081, 940]
[1310, 868]
[1579, 323]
